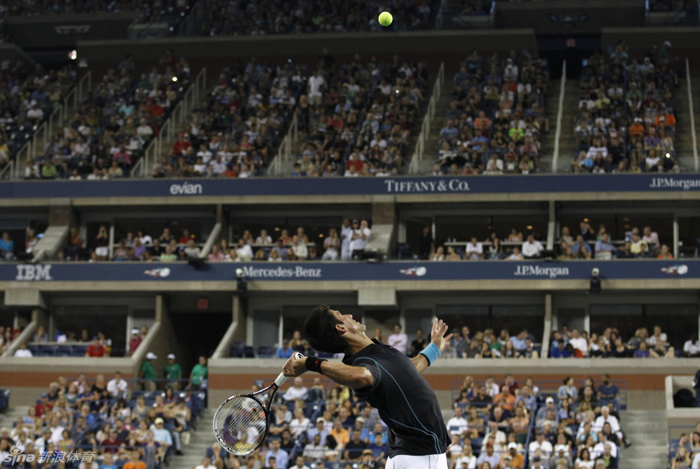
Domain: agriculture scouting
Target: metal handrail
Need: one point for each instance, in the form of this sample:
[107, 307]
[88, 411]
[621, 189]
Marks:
[284, 152]
[560, 115]
[23, 154]
[429, 116]
[692, 116]
[7, 169]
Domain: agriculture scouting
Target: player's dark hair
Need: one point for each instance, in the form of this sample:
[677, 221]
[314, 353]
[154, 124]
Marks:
[319, 329]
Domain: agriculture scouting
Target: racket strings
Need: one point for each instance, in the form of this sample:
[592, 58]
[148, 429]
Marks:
[240, 425]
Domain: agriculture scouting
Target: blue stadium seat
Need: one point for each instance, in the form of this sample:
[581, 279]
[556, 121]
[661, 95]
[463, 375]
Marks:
[265, 351]
[80, 349]
[248, 352]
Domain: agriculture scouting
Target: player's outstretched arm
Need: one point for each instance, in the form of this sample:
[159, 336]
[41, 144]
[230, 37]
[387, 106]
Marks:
[354, 377]
[438, 337]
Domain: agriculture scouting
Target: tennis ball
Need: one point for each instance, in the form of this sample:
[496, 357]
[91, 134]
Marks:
[385, 18]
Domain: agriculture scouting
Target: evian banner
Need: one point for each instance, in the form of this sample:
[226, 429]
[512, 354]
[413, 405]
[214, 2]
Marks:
[424, 186]
[140, 272]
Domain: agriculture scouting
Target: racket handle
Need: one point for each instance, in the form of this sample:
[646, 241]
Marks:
[281, 379]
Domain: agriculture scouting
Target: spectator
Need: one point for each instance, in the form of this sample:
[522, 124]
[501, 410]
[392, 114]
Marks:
[331, 246]
[285, 351]
[148, 373]
[199, 373]
[23, 351]
[360, 236]
[418, 344]
[96, 349]
[7, 247]
[117, 386]
[457, 425]
[298, 391]
[172, 371]
[531, 248]
[475, 250]
[398, 340]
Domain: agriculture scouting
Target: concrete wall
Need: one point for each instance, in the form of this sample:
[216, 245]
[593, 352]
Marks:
[684, 420]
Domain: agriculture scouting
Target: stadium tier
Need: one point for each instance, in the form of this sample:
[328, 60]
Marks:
[477, 222]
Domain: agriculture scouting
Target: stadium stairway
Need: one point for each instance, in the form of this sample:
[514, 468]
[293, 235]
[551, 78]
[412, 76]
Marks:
[200, 440]
[567, 141]
[547, 140]
[11, 415]
[432, 145]
[648, 434]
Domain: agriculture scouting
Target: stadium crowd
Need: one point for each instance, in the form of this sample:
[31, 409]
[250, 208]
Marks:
[344, 243]
[496, 117]
[684, 452]
[610, 344]
[238, 127]
[626, 119]
[109, 132]
[358, 120]
[100, 423]
[28, 95]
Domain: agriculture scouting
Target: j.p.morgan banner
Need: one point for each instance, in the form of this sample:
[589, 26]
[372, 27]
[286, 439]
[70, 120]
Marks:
[351, 186]
[349, 271]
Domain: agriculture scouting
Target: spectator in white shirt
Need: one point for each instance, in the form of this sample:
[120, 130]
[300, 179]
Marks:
[346, 237]
[244, 251]
[315, 83]
[300, 423]
[532, 248]
[651, 237]
[457, 424]
[23, 351]
[56, 431]
[144, 130]
[264, 238]
[604, 418]
[691, 348]
[491, 387]
[540, 444]
[217, 166]
[578, 342]
[360, 236]
[515, 255]
[398, 340]
[298, 391]
[117, 386]
[299, 247]
[475, 250]
[206, 464]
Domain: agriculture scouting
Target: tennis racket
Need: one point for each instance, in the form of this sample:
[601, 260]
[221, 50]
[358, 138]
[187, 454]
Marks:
[241, 423]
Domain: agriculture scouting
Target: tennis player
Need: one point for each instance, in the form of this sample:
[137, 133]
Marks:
[387, 380]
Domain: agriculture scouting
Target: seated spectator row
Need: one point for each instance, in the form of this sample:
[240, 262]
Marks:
[626, 119]
[496, 118]
[344, 243]
[67, 344]
[610, 344]
[588, 244]
[357, 120]
[109, 132]
[29, 96]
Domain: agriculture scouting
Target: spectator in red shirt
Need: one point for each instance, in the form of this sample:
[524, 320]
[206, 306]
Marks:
[134, 342]
[355, 162]
[95, 350]
[181, 145]
[44, 406]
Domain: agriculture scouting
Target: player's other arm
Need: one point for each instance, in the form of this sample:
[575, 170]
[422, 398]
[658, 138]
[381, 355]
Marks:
[354, 377]
[438, 338]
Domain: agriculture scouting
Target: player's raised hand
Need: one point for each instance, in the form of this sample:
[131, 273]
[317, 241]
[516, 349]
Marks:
[437, 334]
[294, 366]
